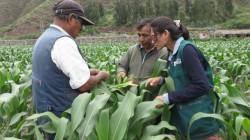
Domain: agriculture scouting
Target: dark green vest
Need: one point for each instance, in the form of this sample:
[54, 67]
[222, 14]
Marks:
[183, 112]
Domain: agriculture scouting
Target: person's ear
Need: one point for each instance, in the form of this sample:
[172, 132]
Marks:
[166, 32]
[70, 18]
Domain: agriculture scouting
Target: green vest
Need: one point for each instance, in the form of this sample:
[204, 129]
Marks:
[182, 113]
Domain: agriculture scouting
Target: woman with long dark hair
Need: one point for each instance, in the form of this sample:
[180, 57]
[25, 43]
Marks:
[193, 80]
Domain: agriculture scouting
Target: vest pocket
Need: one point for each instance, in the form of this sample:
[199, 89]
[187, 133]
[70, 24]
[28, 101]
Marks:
[187, 110]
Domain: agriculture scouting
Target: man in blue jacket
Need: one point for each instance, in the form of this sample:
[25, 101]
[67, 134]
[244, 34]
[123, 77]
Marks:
[59, 71]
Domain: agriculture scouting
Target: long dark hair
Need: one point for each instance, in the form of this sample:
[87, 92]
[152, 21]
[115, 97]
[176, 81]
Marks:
[163, 23]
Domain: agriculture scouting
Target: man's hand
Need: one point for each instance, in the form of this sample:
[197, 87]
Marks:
[104, 75]
[121, 74]
[95, 77]
[94, 71]
[155, 81]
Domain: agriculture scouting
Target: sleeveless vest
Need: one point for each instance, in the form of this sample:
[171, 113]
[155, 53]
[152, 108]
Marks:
[182, 113]
[51, 90]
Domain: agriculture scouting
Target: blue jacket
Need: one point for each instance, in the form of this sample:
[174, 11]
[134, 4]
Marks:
[50, 87]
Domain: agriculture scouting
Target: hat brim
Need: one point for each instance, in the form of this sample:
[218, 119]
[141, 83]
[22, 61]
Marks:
[86, 21]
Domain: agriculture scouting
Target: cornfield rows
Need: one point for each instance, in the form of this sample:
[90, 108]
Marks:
[116, 109]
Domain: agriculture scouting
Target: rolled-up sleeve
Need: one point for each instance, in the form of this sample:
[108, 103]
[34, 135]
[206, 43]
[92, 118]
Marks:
[68, 59]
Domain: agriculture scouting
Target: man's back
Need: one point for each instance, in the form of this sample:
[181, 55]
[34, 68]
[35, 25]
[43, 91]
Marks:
[51, 89]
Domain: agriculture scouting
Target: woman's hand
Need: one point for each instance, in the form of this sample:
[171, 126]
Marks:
[153, 82]
[161, 101]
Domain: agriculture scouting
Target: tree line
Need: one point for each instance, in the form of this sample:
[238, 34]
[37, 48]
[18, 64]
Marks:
[195, 12]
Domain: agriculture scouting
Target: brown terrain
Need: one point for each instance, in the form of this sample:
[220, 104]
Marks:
[20, 19]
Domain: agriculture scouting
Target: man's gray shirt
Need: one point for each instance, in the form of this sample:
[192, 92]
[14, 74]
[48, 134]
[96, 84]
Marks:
[138, 64]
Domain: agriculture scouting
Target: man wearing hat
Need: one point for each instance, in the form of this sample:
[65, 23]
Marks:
[59, 71]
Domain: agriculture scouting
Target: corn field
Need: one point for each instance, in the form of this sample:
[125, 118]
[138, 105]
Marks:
[117, 109]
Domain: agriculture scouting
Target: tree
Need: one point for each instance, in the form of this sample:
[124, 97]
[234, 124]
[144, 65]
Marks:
[203, 12]
[149, 8]
[121, 13]
[188, 6]
[229, 7]
[173, 9]
[94, 10]
[166, 8]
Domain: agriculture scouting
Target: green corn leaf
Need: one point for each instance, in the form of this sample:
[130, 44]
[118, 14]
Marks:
[61, 128]
[48, 127]
[168, 86]
[154, 130]
[166, 113]
[246, 125]
[144, 112]
[123, 85]
[120, 118]
[39, 136]
[159, 65]
[78, 109]
[60, 124]
[232, 91]
[92, 114]
[11, 138]
[238, 124]
[92, 136]
[201, 115]
[10, 106]
[242, 105]
[6, 97]
[17, 118]
[160, 137]
[102, 127]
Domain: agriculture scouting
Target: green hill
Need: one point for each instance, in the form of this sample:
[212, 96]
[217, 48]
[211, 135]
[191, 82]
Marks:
[240, 20]
[11, 10]
[31, 17]
[33, 21]
[28, 18]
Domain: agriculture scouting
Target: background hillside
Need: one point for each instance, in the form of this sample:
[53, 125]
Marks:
[28, 18]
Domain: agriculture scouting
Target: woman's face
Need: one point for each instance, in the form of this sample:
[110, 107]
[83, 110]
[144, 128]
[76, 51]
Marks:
[159, 39]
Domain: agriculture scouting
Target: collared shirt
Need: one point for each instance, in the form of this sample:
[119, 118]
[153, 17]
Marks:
[139, 65]
[176, 47]
[144, 53]
[66, 56]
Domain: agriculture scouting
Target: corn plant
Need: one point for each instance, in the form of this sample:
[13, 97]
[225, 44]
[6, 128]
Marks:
[119, 109]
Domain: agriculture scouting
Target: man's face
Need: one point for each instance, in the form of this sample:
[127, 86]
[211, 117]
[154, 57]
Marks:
[76, 26]
[144, 36]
